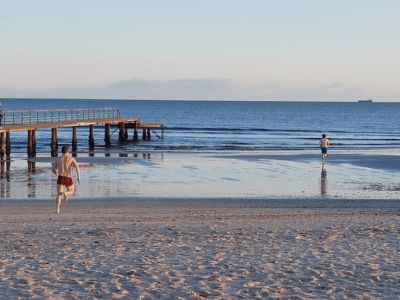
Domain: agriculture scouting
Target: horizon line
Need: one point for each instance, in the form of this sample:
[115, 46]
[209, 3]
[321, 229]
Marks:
[194, 100]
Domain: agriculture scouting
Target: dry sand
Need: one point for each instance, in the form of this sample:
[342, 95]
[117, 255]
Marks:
[195, 249]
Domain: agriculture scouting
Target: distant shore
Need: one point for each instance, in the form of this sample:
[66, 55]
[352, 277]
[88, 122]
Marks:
[191, 248]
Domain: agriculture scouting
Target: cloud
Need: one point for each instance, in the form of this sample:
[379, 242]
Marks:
[199, 89]
[170, 89]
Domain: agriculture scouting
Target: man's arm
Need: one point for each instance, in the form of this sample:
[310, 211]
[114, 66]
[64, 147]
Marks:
[78, 171]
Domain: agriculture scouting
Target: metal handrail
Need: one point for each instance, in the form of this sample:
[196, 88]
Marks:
[19, 117]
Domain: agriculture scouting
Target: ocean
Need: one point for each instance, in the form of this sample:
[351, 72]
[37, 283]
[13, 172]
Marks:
[237, 125]
[228, 149]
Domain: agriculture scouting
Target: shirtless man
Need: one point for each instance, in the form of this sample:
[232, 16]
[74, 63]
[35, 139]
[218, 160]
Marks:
[324, 144]
[63, 168]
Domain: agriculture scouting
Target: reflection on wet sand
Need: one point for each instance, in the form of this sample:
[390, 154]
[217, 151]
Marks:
[31, 187]
[147, 156]
[2, 181]
[324, 181]
[5, 178]
[31, 167]
[30, 182]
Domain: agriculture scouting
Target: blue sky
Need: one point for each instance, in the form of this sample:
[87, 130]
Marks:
[338, 50]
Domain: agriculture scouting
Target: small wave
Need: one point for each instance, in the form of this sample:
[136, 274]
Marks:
[357, 139]
[278, 130]
[236, 129]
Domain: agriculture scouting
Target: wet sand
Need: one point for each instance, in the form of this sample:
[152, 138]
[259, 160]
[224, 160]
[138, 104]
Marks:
[200, 249]
[278, 174]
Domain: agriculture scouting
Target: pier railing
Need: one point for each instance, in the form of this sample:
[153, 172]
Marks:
[19, 117]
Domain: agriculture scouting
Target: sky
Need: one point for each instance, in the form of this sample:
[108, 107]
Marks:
[314, 50]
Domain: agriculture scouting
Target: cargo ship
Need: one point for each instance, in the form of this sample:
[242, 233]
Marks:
[365, 101]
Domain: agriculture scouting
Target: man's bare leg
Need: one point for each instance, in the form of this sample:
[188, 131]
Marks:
[59, 194]
[70, 191]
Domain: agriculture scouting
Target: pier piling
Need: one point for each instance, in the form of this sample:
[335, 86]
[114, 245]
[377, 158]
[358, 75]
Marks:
[144, 135]
[8, 143]
[126, 133]
[135, 133]
[30, 143]
[107, 135]
[74, 139]
[33, 143]
[91, 136]
[121, 126]
[2, 145]
[31, 150]
[54, 142]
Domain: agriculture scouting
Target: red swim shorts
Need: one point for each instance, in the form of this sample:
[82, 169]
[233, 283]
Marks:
[67, 181]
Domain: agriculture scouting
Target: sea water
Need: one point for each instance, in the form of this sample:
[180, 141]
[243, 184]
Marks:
[220, 149]
[239, 125]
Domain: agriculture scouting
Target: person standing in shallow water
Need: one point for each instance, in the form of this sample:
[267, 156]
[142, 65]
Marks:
[324, 144]
[63, 168]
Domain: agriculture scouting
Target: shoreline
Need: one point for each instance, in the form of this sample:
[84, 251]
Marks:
[104, 210]
[271, 202]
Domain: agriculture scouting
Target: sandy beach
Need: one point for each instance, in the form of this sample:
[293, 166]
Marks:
[200, 249]
[219, 150]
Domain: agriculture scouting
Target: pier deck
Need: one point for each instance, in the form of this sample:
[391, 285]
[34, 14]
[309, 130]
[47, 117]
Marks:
[33, 120]
[75, 123]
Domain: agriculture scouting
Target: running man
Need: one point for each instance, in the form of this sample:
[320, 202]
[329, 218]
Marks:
[63, 168]
[324, 144]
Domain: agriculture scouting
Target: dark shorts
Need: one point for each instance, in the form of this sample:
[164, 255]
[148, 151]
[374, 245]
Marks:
[67, 181]
[324, 150]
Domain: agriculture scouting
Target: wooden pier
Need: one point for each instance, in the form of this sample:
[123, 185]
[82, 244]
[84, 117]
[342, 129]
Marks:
[33, 120]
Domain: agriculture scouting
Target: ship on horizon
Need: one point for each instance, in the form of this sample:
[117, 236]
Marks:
[365, 101]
